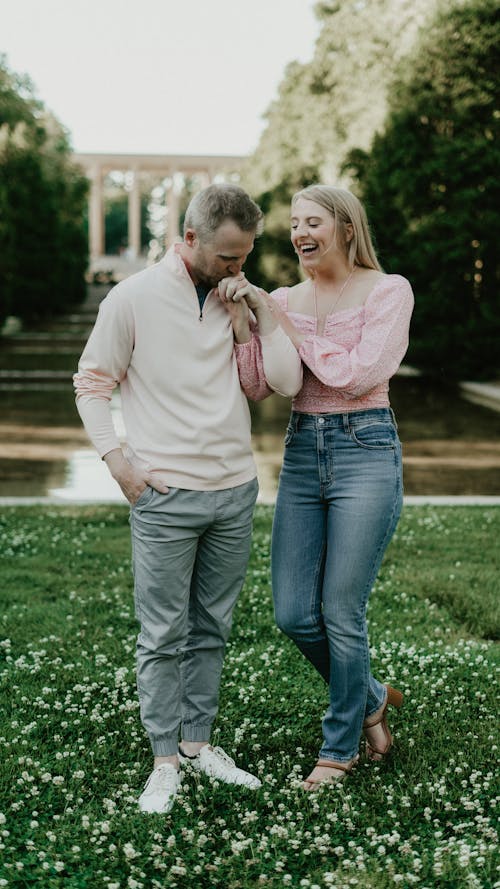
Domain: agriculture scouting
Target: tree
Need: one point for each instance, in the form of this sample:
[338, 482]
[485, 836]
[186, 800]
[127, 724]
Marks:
[431, 188]
[116, 220]
[324, 109]
[338, 100]
[43, 248]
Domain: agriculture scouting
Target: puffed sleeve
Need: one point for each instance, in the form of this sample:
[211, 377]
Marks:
[251, 369]
[269, 363]
[378, 354]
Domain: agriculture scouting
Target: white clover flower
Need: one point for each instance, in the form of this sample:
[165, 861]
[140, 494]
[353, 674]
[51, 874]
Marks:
[129, 851]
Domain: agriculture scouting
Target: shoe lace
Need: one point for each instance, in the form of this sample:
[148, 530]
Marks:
[223, 757]
[164, 777]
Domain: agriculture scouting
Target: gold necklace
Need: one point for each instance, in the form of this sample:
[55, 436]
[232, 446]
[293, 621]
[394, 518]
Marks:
[337, 298]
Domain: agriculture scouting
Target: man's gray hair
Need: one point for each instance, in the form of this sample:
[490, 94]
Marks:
[212, 206]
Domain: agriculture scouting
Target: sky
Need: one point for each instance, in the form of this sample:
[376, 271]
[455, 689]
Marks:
[158, 76]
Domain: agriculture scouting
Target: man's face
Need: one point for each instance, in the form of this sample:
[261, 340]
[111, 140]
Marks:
[221, 257]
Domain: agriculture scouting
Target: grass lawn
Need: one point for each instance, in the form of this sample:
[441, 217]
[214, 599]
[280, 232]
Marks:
[74, 755]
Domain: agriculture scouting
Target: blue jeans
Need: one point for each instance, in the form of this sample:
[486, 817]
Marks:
[339, 501]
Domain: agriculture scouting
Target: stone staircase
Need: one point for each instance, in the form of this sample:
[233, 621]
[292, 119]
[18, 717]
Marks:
[44, 357]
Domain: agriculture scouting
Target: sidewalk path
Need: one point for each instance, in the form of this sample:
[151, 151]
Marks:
[414, 500]
[485, 394]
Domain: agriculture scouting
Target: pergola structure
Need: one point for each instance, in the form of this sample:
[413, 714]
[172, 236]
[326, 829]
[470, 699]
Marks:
[97, 166]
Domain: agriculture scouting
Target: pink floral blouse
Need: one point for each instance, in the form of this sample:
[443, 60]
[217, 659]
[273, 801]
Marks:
[349, 366]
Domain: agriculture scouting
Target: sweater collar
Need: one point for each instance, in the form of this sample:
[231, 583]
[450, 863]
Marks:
[174, 261]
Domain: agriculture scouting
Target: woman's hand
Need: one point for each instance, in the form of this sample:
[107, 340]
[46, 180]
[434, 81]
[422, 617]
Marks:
[238, 292]
[238, 288]
[237, 308]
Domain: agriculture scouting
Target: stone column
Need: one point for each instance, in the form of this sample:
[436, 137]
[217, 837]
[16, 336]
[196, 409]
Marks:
[134, 215]
[204, 178]
[173, 229]
[96, 213]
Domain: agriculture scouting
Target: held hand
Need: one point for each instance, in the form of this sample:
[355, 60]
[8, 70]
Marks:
[132, 481]
[238, 312]
[238, 289]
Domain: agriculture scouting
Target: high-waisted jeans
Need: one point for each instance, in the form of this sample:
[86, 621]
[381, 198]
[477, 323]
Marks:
[338, 504]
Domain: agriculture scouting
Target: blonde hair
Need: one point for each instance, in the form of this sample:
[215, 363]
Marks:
[345, 208]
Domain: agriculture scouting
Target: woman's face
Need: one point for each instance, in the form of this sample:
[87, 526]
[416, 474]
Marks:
[312, 232]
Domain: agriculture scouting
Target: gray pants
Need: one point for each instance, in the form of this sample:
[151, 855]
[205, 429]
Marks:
[190, 552]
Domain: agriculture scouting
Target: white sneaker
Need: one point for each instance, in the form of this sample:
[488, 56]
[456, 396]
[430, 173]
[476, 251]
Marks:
[214, 762]
[160, 790]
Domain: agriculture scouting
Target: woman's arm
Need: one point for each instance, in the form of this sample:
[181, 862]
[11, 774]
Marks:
[281, 366]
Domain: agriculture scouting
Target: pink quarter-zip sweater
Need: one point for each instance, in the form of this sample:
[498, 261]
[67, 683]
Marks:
[185, 412]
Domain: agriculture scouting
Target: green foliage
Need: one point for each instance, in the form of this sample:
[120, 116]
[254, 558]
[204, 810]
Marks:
[324, 108]
[116, 221]
[272, 262]
[43, 247]
[400, 98]
[430, 183]
[75, 757]
[338, 100]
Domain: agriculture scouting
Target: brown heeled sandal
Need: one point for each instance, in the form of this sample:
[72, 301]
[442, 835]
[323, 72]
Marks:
[344, 767]
[395, 698]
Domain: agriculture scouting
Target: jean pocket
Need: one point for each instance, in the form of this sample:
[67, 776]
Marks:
[290, 432]
[143, 497]
[375, 435]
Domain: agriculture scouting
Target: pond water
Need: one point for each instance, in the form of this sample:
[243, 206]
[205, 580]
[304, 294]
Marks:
[451, 447]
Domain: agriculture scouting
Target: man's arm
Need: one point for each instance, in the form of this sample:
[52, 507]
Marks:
[104, 362]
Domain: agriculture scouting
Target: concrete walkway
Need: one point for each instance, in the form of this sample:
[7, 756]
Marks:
[420, 500]
[485, 394]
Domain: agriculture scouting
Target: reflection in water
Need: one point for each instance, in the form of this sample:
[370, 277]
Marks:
[450, 446]
[87, 478]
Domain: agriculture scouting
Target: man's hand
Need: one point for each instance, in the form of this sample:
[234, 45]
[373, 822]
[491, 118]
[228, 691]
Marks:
[132, 481]
[238, 288]
[237, 309]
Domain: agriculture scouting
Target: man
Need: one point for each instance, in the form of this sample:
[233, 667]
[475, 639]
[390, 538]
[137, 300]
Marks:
[166, 336]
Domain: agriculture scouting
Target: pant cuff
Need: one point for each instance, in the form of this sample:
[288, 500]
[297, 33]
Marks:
[332, 758]
[166, 745]
[193, 732]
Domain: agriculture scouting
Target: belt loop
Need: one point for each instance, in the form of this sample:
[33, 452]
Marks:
[393, 415]
[345, 420]
[297, 422]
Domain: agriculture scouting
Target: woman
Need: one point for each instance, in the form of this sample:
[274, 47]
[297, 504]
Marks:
[340, 488]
